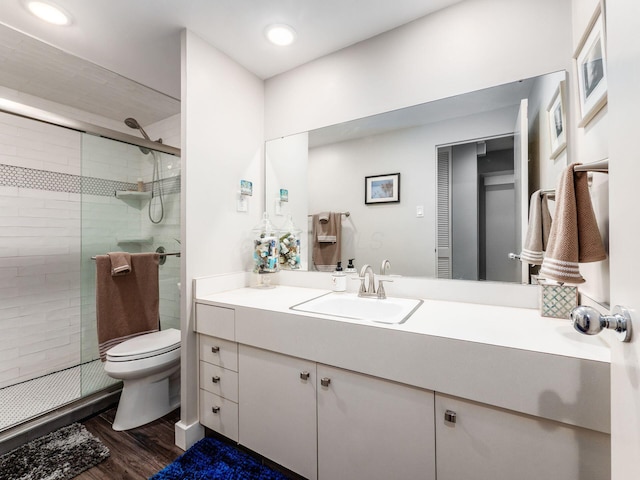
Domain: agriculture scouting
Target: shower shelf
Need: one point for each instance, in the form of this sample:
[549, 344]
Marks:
[132, 195]
[138, 240]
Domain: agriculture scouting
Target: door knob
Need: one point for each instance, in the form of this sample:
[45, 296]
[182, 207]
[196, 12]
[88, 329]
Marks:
[215, 409]
[215, 349]
[589, 321]
[215, 379]
[325, 381]
[304, 375]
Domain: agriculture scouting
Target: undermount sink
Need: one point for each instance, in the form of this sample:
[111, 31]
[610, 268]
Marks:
[348, 305]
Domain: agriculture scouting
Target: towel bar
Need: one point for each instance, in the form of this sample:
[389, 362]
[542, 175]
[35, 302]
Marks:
[602, 167]
[346, 214]
[162, 254]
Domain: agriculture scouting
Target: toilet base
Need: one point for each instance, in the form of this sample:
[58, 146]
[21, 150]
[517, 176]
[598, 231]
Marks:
[145, 400]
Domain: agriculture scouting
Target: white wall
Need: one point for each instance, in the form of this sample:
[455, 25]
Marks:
[623, 23]
[469, 46]
[222, 121]
[590, 144]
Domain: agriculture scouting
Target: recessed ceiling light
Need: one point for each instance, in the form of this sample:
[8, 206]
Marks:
[280, 34]
[49, 12]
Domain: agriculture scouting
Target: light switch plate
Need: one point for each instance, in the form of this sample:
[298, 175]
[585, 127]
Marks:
[420, 211]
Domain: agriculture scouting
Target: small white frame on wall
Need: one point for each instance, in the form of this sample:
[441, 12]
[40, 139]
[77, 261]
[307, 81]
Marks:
[590, 64]
[557, 120]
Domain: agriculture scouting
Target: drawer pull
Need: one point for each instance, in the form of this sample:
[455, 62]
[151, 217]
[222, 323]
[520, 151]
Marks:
[325, 382]
[450, 416]
[304, 375]
[215, 379]
[215, 409]
[215, 349]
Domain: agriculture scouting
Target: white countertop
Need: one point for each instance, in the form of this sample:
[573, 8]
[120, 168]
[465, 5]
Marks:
[509, 327]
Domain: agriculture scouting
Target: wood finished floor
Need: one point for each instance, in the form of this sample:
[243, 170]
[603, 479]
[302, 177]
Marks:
[135, 454]
[141, 452]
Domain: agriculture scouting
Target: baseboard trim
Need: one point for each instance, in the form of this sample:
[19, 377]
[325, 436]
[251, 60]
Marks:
[187, 435]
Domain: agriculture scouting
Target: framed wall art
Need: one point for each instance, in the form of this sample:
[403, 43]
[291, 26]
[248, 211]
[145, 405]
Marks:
[382, 188]
[557, 120]
[591, 68]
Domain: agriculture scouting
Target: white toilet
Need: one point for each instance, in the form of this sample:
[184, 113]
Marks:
[149, 366]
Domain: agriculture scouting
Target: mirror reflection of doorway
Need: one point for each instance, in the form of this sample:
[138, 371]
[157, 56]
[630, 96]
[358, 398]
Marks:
[477, 208]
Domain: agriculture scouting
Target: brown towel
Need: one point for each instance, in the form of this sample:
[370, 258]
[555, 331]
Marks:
[127, 305]
[120, 263]
[538, 230]
[574, 236]
[327, 230]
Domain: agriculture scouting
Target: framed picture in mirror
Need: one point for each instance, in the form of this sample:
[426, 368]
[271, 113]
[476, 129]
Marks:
[557, 120]
[382, 188]
[591, 68]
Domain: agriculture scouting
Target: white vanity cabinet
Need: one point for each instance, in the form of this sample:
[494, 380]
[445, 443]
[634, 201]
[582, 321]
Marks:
[369, 428]
[278, 408]
[218, 370]
[485, 443]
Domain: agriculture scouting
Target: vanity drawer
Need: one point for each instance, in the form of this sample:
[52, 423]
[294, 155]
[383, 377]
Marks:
[219, 352]
[219, 380]
[216, 321]
[219, 414]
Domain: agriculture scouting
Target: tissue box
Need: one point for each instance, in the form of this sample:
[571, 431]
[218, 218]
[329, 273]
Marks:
[557, 301]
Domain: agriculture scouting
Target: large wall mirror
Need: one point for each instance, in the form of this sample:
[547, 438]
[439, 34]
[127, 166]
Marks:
[467, 166]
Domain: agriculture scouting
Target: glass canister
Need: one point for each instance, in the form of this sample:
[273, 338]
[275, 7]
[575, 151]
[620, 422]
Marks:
[265, 247]
[289, 243]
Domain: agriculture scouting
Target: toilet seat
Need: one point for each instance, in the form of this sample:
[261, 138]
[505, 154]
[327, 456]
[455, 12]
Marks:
[145, 346]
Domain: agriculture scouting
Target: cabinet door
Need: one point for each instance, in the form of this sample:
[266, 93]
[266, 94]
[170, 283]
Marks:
[371, 429]
[277, 408]
[487, 443]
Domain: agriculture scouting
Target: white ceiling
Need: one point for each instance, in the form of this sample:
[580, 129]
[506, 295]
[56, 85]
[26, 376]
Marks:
[140, 39]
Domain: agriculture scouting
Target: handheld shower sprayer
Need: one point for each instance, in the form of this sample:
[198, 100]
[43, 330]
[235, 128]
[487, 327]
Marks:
[156, 181]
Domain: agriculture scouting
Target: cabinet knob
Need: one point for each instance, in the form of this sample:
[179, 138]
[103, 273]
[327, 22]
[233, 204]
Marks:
[450, 416]
[215, 379]
[215, 409]
[215, 349]
[304, 375]
[325, 382]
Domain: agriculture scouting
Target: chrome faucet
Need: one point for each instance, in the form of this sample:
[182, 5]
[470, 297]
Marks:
[370, 290]
[384, 267]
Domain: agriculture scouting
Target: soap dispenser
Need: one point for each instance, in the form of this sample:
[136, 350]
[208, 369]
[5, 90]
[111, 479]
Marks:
[351, 268]
[339, 279]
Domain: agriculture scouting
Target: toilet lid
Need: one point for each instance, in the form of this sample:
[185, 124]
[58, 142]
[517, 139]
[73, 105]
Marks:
[144, 346]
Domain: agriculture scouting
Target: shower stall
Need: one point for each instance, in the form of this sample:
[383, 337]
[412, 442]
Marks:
[70, 191]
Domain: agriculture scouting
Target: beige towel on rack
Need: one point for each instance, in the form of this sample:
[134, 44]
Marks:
[326, 234]
[120, 263]
[126, 305]
[538, 230]
[575, 237]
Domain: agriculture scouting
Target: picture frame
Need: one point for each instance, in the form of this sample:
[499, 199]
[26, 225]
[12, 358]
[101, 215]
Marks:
[382, 189]
[590, 65]
[557, 120]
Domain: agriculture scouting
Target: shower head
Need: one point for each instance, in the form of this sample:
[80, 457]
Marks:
[133, 123]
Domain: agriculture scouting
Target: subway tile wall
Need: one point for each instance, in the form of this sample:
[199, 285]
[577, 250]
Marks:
[47, 306]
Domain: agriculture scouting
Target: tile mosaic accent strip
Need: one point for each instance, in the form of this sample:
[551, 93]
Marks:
[12, 176]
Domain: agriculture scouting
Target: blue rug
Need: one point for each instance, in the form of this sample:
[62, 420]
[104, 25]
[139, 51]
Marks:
[212, 459]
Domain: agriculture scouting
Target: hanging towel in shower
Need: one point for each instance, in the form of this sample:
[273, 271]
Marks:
[120, 263]
[538, 230]
[327, 230]
[575, 237]
[126, 305]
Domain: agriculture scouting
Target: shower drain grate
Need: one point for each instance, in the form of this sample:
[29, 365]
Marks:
[29, 399]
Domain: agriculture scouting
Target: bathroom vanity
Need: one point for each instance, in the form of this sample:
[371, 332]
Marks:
[457, 391]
